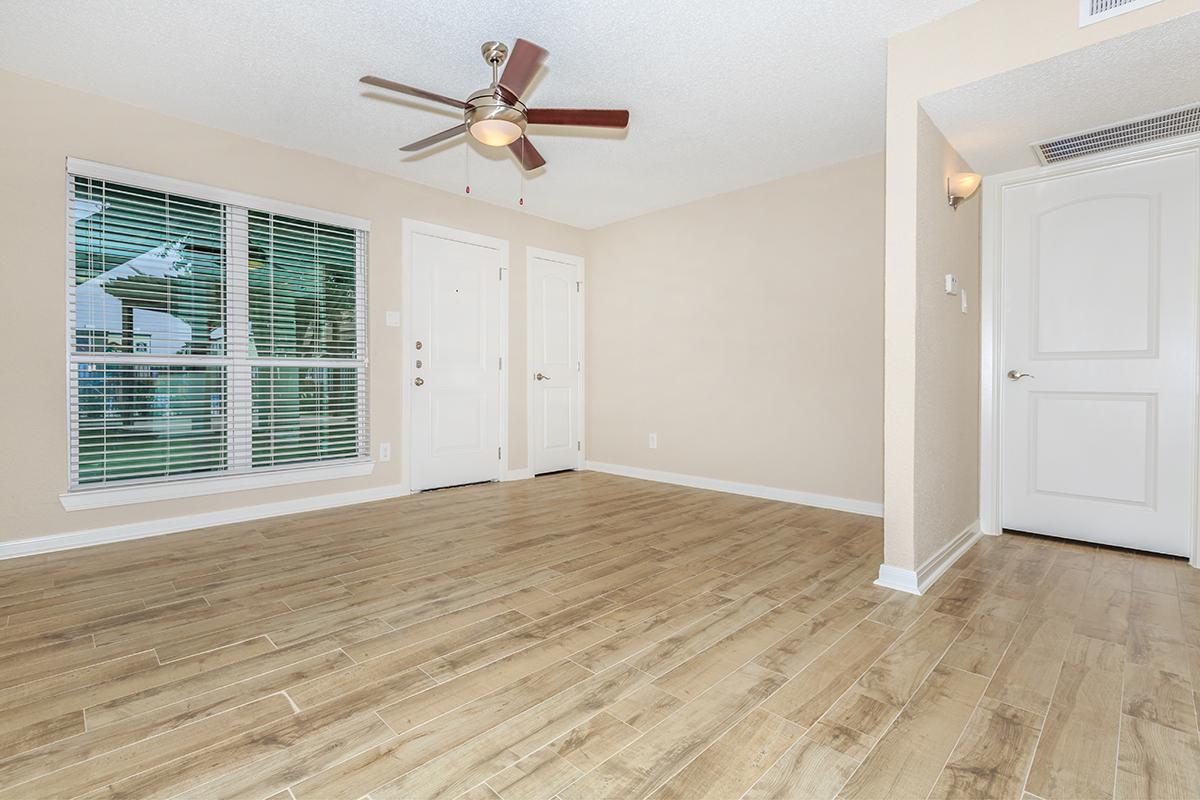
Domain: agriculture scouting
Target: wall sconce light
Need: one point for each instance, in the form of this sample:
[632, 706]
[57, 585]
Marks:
[960, 186]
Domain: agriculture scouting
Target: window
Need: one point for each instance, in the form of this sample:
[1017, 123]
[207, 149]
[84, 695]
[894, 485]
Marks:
[209, 338]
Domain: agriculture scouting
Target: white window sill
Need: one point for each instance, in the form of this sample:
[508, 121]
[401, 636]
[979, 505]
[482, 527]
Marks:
[83, 499]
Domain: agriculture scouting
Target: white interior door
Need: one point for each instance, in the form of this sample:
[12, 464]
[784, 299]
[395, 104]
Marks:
[454, 350]
[555, 362]
[1099, 275]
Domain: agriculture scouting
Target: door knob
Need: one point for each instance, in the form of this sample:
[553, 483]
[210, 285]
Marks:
[419, 381]
[1014, 375]
[542, 377]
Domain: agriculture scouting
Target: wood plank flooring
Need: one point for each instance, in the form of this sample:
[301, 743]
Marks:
[582, 636]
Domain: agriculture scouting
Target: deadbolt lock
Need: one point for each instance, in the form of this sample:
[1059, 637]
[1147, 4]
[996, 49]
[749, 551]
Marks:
[419, 381]
[418, 363]
[418, 344]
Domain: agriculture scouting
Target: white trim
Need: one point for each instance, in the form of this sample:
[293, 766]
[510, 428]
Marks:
[83, 499]
[902, 580]
[581, 331]
[849, 505]
[918, 581]
[159, 527]
[505, 360]
[517, 474]
[408, 228]
[992, 324]
[200, 191]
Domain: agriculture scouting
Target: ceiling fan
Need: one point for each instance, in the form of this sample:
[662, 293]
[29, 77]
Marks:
[495, 115]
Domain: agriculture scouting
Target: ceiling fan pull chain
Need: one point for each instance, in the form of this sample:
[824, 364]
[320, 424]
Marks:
[467, 165]
[521, 195]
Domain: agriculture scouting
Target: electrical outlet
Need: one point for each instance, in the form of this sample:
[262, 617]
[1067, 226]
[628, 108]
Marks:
[385, 451]
[654, 441]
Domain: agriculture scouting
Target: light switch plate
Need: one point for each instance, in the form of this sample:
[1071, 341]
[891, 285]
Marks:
[385, 451]
[392, 319]
[951, 284]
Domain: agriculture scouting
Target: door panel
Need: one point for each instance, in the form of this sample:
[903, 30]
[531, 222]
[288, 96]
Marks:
[557, 402]
[1069, 459]
[555, 365]
[1099, 270]
[1096, 278]
[455, 308]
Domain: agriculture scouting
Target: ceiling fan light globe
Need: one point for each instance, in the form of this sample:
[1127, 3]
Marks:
[493, 121]
[496, 132]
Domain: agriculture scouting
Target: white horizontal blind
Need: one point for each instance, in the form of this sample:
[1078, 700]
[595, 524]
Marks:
[208, 338]
[307, 326]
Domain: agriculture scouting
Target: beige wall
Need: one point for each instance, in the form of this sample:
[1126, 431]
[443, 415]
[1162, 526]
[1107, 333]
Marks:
[746, 331]
[946, 466]
[42, 124]
[983, 39]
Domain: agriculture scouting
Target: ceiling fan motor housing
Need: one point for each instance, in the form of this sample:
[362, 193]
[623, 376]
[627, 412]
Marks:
[492, 107]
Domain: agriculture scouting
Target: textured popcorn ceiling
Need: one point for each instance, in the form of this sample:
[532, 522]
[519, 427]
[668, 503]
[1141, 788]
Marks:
[721, 94]
[992, 123]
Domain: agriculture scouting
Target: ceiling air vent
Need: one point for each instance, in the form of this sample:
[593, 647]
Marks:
[1092, 11]
[1179, 122]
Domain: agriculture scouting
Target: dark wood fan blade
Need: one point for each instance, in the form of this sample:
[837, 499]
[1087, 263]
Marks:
[591, 117]
[437, 137]
[527, 153]
[523, 63]
[384, 83]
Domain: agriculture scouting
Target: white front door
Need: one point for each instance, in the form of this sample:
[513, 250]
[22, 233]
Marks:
[453, 357]
[555, 361]
[1099, 270]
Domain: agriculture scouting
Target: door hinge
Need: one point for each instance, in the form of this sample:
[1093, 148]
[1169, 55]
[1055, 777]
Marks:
[579, 286]
[579, 446]
[501, 360]
[498, 451]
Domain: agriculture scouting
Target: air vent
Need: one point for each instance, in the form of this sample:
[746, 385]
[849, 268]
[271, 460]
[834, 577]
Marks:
[1179, 122]
[1093, 11]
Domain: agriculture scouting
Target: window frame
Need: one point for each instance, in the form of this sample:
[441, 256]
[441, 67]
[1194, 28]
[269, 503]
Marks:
[241, 474]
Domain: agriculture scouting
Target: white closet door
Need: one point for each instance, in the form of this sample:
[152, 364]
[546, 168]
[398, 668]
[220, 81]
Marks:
[555, 367]
[1099, 411]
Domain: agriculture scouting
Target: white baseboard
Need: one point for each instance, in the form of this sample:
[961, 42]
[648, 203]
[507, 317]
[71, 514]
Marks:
[516, 475]
[158, 527]
[748, 489]
[902, 580]
[916, 582]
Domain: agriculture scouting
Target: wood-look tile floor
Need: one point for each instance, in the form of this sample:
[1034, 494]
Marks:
[585, 636]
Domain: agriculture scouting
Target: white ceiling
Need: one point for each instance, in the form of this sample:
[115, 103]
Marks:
[721, 94]
[992, 123]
